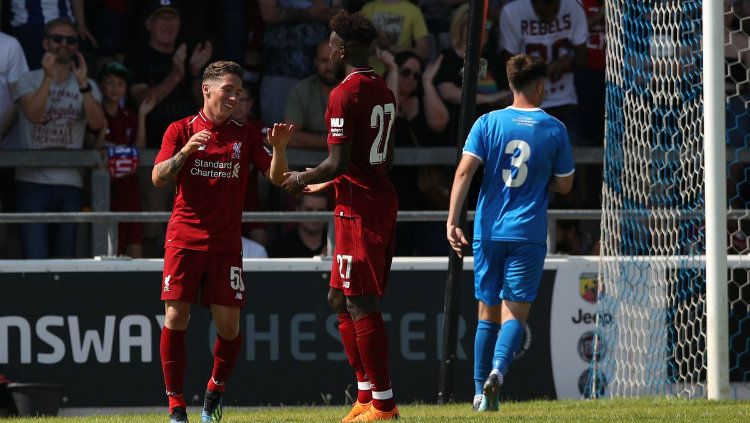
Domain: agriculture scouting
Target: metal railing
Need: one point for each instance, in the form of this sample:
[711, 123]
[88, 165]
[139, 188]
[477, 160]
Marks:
[100, 201]
[104, 228]
[109, 220]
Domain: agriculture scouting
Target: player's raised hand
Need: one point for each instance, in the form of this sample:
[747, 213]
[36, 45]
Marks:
[457, 239]
[278, 135]
[198, 140]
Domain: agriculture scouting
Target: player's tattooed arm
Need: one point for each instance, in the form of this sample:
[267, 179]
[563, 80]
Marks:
[167, 170]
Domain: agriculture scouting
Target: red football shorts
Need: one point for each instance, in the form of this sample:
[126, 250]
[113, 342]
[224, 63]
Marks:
[203, 277]
[362, 255]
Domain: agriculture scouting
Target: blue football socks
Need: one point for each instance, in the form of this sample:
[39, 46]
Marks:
[484, 342]
[507, 344]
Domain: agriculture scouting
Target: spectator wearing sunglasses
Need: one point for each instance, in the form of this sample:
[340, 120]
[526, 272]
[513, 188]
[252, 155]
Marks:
[421, 122]
[28, 20]
[56, 103]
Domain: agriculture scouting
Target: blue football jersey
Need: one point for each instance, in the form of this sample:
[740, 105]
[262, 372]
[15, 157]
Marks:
[521, 150]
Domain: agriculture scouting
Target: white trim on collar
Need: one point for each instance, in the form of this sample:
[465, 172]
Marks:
[369, 70]
[524, 109]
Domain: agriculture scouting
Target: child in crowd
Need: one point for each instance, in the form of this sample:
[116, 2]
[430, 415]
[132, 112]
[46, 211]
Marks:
[121, 139]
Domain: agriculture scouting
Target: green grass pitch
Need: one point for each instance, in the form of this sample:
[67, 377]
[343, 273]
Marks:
[638, 410]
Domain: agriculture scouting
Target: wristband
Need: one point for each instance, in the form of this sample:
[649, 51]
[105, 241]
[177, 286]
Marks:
[85, 89]
[299, 181]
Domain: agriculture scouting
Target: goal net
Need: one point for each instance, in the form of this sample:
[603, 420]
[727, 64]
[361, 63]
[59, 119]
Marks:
[651, 310]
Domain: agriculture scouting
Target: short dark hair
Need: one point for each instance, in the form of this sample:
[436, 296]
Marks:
[523, 69]
[61, 21]
[117, 69]
[218, 69]
[319, 194]
[354, 28]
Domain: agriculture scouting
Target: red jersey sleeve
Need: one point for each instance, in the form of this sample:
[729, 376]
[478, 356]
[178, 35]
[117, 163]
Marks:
[171, 143]
[340, 116]
[258, 154]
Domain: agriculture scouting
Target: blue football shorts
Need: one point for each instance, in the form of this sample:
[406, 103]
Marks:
[507, 270]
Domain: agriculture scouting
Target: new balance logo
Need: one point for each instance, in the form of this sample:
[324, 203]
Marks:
[238, 296]
[347, 284]
[166, 283]
[337, 122]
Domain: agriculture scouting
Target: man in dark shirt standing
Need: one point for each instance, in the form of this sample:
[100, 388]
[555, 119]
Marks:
[161, 69]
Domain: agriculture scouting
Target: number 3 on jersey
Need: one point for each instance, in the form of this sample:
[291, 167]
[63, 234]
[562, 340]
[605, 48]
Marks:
[377, 120]
[518, 161]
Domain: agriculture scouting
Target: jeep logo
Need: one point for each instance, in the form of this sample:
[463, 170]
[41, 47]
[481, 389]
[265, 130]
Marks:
[588, 318]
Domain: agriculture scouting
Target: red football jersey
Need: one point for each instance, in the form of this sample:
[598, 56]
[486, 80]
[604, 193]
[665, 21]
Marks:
[122, 128]
[211, 186]
[361, 111]
[595, 58]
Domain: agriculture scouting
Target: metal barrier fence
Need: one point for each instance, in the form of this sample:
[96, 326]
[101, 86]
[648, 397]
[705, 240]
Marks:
[104, 228]
[105, 243]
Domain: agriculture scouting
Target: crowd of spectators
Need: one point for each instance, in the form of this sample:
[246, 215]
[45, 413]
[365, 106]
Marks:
[112, 74]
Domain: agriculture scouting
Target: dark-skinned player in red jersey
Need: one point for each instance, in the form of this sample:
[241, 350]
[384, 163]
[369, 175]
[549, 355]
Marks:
[209, 157]
[360, 115]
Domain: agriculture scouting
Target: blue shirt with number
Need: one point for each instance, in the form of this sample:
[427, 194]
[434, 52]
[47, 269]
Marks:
[521, 150]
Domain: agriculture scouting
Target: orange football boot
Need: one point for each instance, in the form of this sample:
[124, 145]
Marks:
[357, 409]
[372, 414]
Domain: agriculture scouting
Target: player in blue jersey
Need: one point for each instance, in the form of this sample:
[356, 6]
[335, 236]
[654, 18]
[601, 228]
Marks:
[525, 153]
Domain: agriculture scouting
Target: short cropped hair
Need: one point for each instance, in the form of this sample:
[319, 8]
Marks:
[354, 28]
[218, 69]
[61, 21]
[523, 69]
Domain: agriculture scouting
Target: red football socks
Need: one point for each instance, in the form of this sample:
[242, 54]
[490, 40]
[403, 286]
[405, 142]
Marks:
[373, 348]
[349, 339]
[225, 356]
[173, 360]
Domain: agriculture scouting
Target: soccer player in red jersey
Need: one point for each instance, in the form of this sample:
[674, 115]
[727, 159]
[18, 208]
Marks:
[359, 116]
[209, 156]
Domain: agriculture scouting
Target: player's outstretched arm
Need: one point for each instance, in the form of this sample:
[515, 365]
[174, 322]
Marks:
[334, 165]
[278, 137]
[464, 173]
[166, 171]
